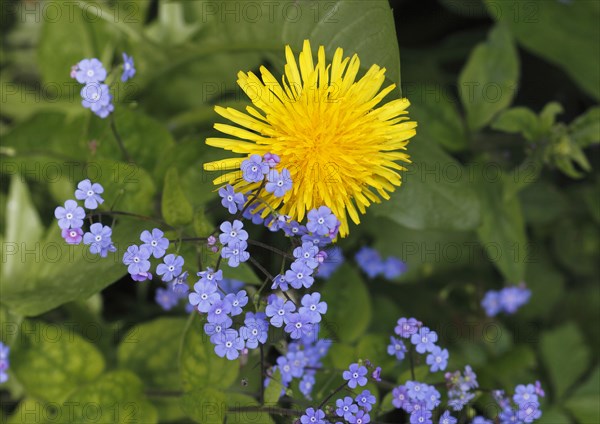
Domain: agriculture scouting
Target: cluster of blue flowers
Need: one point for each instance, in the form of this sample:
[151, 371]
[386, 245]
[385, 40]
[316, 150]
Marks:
[508, 300]
[95, 93]
[255, 168]
[526, 408]
[301, 361]
[334, 258]
[356, 410]
[460, 387]
[372, 264]
[208, 298]
[417, 399]
[353, 410]
[234, 240]
[423, 340]
[4, 363]
[70, 220]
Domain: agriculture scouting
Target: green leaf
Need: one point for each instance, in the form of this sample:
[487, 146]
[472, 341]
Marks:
[364, 28]
[576, 244]
[274, 389]
[60, 136]
[239, 401]
[199, 366]
[583, 403]
[438, 118]
[57, 30]
[546, 284]
[543, 203]
[564, 33]
[565, 356]
[502, 230]
[518, 120]
[9, 325]
[488, 82]
[202, 226]
[144, 137]
[348, 305]
[421, 373]
[554, 415]
[585, 130]
[117, 398]
[151, 351]
[23, 230]
[127, 185]
[374, 348]
[176, 209]
[513, 367]
[435, 193]
[30, 411]
[425, 252]
[548, 115]
[66, 272]
[51, 361]
[206, 406]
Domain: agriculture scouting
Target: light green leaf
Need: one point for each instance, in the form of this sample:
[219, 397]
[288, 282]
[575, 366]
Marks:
[206, 406]
[24, 414]
[176, 209]
[117, 398]
[22, 232]
[585, 130]
[57, 30]
[63, 140]
[583, 403]
[51, 361]
[565, 356]
[202, 226]
[274, 389]
[518, 120]
[502, 230]
[151, 351]
[199, 365]
[348, 306]
[435, 193]
[66, 272]
[548, 116]
[9, 325]
[488, 82]
[564, 33]
[144, 137]
[127, 185]
[170, 27]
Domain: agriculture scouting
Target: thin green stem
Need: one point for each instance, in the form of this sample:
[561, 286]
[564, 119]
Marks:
[272, 249]
[332, 394]
[261, 268]
[132, 215]
[113, 127]
[262, 375]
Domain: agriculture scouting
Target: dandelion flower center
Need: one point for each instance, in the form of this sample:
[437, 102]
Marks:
[330, 131]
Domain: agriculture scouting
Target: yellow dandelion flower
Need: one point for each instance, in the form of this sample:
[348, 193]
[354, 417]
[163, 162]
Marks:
[340, 148]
